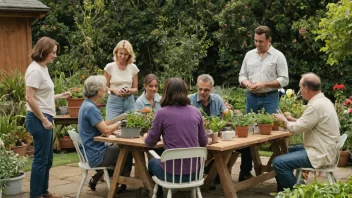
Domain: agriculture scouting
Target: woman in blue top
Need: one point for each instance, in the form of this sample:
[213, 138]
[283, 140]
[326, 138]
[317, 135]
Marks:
[150, 97]
[92, 124]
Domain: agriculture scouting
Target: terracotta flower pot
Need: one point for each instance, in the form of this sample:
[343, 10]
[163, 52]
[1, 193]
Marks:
[242, 131]
[20, 150]
[344, 156]
[276, 127]
[215, 137]
[66, 143]
[265, 129]
[73, 105]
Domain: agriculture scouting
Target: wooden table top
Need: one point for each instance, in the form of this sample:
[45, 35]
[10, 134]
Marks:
[222, 145]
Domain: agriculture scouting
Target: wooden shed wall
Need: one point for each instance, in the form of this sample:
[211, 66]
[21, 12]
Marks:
[15, 43]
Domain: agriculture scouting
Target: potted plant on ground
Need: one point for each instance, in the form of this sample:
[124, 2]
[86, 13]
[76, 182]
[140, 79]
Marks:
[343, 108]
[265, 122]
[242, 123]
[11, 171]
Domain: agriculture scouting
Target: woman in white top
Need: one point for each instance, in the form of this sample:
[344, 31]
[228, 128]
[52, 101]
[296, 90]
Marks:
[40, 104]
[122, 80]
[150, 97]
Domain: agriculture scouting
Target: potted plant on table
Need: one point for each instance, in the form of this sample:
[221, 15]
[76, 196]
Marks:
[133, 124]
[242, 123]
[265, 122]
[75, 101]
[11, 171]
[149, 117]
[215, 125]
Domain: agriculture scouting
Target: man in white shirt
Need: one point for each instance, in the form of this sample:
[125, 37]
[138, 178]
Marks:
[320, 127]
[264, 70]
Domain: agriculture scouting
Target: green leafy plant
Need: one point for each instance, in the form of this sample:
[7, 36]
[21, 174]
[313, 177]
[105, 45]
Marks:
[264, 118]
[216, 124]
[317, 190]
[138, 120]
[60, 87]
[76, 92]
[290, 103]
[243, 120]
[11, 165]
[12, 83]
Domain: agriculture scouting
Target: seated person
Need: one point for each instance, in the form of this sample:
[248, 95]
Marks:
[320, 127]
[150, 97]
[92, 124]
[180, 124]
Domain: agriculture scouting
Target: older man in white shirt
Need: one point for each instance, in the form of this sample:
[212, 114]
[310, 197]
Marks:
[320, 127]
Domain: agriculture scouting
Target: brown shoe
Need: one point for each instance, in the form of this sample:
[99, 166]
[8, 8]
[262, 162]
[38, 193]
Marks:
[50, 195]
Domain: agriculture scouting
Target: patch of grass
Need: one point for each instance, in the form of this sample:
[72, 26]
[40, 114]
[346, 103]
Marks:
[59, 159]
[265, 153]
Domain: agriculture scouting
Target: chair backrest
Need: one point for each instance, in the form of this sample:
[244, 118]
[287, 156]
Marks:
[77, 141]
[339, 147]
[196, 157]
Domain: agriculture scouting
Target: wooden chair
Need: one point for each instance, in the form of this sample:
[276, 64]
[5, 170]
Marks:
[83, 164]
[199, 153]
[329, 171]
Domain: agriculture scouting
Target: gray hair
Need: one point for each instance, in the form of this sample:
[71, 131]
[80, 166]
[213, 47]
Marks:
[206, 78]
[93, 84]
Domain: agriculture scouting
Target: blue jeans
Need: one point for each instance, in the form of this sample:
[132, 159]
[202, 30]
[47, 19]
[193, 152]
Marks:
[253, 103]
[43, 154]
[117, 105]
[270, 102]
[155, 169]
[284, 165]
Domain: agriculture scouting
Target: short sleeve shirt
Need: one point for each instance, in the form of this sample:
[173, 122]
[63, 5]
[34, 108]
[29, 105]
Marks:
[121, 78]
[89, 115]
[38, 77]
[217, 104]
[142, 102]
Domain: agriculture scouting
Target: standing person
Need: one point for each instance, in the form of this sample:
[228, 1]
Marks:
[320, 127]
[212, 104]
[180, 125]
[150, 97]
[40, 104]
[91, 124]
[264, 71]
[122, 80]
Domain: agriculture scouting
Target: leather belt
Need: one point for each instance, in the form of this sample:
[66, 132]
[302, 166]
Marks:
[263, 94]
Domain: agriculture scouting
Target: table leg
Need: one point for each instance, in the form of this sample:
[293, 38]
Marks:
[118, 170]
[141, 168]
[225, 177]
[257, 162]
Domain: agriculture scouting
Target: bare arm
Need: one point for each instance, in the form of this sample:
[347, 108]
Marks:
[107, 128]
[32, 102]
[108, 77]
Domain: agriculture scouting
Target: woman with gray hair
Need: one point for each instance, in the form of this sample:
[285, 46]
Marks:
[92, 124]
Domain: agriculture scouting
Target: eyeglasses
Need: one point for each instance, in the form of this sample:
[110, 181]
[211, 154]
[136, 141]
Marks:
[299, 94]
[204, 90]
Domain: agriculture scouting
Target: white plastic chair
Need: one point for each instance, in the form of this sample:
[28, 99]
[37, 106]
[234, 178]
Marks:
[329, 171]
[83, 164]
[180, 154]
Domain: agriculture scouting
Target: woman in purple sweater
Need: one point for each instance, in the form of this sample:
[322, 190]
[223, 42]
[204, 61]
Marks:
[181, 126]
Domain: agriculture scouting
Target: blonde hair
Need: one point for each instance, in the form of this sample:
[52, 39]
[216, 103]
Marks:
[124, 44]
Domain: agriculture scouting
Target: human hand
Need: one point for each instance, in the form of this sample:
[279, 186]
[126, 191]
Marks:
[280, 117]
[47, 124]
[228, 106]
[66, 94]
[257, 85]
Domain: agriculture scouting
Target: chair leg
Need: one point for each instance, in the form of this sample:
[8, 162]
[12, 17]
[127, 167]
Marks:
[169, 193]
[199, 193]
[194, 193]
[155, 190]
[107, 178]
[330, 177]
[298, 175]
[85, 173]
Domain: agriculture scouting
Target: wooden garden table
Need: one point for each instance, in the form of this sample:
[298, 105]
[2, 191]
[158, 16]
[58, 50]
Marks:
[137, 147]
[224, 158]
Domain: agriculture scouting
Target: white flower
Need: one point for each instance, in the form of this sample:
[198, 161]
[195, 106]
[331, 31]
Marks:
[1, 144]
[289, 92]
